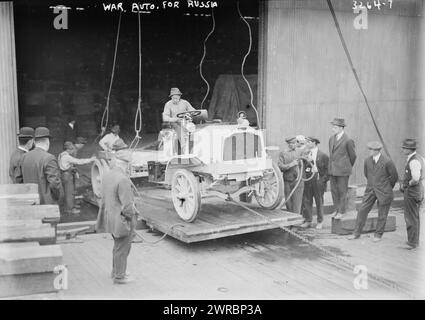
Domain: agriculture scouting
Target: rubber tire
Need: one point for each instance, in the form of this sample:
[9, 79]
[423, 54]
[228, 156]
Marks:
[98, 170]
[280, 192]
[194, 184]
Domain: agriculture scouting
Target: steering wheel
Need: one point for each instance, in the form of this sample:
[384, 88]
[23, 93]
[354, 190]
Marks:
[191, 114]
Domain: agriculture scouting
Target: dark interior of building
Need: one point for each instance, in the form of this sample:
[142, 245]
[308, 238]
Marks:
[68, 71]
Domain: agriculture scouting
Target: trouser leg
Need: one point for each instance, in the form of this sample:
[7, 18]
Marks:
[411, 216]
[308, 202]
[122, 249]
[68, 186]
[287, 189]
[342, 185]
[298, 198]
[334, 192]
[317, 195]
[382, 218]
[366, 206]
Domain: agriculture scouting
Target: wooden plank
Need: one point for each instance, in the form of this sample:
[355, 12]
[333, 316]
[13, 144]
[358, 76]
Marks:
[20, 223]
[23, 188]
[347, 223]
[10, 202]
[12, 245]
[216, 220]
[43, 234]
[27, 284]
[47, 213]
[76, 225]
[31, 259]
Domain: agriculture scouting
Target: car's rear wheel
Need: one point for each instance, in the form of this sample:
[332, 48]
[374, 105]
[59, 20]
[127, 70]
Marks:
[98, 170]
[271, 189]
[186, 194]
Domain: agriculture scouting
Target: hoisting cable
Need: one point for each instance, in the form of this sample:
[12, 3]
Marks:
[243, 65]
[138, 117]
[343, 262]
[347, 53]
[203, 57]
[105, 115]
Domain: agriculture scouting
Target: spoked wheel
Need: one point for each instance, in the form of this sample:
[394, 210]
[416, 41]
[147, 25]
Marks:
[186, 194]
[98, 170]
[271, 189]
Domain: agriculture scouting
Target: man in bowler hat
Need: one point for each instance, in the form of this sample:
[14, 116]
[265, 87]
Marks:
[42, 168]
[413, 190]
[118, 214]
[342, 156]
[26, 142]
[381, 176]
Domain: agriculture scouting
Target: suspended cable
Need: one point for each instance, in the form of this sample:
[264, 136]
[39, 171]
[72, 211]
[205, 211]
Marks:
[243, 64]
[203, 57]
[105, 116]
[138, 117]
[347, 53]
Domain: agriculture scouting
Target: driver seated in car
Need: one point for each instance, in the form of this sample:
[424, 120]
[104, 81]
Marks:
[173, 107]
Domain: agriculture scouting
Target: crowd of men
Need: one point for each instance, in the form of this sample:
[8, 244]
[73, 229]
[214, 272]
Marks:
[306, 171]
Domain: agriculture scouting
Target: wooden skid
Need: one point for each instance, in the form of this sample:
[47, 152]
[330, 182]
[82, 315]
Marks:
[347, 223]
[217, 219]
[11, 189]
[29, 259]
[45, 213]
[76, 225]
[44, 234]
[27, 284]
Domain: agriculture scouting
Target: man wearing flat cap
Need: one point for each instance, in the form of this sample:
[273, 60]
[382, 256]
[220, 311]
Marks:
[342, 156]
[315, 186]
[288, 164]
[41, 167]
[173, 107]
[413, 190]
[67, 163]
[26, 142]
[381, 176]
[118, 214]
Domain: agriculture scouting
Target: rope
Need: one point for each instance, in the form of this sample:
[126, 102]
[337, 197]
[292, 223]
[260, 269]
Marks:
[243, 64]
[105, 115]
[347, 53]
[338, 258]
[203, 57]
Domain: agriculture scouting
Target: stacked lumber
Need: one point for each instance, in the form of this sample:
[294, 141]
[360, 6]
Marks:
[28, 254]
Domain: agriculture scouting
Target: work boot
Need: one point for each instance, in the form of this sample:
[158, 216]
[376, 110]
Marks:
[353, 236]
[124, 280]
[338, 216]
[319, 225]
[305, 225]
[410, 246]
[376, 238]
[75, 211]
[127, 274]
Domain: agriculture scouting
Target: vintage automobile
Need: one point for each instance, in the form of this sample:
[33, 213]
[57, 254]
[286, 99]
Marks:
[217, 159]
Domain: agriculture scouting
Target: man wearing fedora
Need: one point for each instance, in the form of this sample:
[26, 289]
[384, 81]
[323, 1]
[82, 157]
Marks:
[288, 164]
[342, 156]
[118, 214]
[315, 187]
[41, 167]
[26, 142]
[413, 190]
[173, 107]
[67, 163]
[381, 176]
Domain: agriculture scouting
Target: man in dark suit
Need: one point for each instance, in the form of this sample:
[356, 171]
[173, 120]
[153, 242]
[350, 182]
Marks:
[381, 176]
[26, 142]
[342, 156]
[315, 186]
[41, 167]
[413, 191]
[118, 214]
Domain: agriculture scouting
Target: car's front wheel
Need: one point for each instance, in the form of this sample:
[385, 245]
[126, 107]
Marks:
[271, 192]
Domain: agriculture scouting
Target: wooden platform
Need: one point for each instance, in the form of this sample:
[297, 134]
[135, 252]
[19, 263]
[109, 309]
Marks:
[217, 219]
